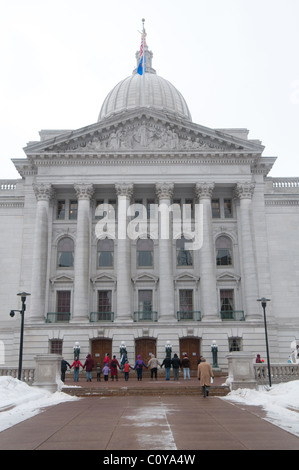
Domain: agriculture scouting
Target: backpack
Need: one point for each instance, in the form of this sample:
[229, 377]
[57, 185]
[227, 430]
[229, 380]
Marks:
[113, 364]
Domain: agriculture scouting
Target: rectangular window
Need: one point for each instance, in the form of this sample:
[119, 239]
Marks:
[227, 303]
[216, 208]
[186, 300]
[189, 209]
[228, 208]
[100, 202]
[112, 211]
[63, 301]
[56, 346]
[73, 210]
[145, 300]
[104, 301]
[60, 215]
[150, 208]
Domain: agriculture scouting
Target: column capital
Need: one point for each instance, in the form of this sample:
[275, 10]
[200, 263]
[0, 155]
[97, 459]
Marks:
[124, 189]
[43, 192]
[84, 191]
[244, 190]
[204, 190]
[164, 190]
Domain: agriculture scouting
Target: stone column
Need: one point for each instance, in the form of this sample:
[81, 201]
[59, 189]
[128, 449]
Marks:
[82, 251]
[43, 193]
[124, 295]
[166, 289]
[244, 192]
[207, 257]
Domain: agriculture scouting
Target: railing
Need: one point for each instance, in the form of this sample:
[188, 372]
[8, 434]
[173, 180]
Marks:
[279, 373]
[193, 315]
[58, 317]
[27, 374]
[144, 315]
[235, 315]
[101, 316]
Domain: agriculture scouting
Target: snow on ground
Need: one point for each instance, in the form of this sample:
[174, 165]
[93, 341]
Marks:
[280, 402]
[19, 401]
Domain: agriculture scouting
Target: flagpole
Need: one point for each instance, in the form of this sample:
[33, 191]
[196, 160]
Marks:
[143, 74]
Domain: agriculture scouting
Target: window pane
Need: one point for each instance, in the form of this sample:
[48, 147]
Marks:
[63, 301]
[186, 300]
[73, 210]
[56, 346]
[60, 210]
[216, 208]
[65, 257]
[145, 300]
[104, 301]
[228, 208]
[227, 300]
[145, 252]
[224, 251]
[184, 257]
[105, 253]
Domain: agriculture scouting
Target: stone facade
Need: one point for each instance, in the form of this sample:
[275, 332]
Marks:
[64, 238]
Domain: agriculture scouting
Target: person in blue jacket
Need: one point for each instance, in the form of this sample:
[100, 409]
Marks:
[139, 367]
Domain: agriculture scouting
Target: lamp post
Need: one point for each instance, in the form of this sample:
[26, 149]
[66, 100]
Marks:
[23, 296]
[264, 301]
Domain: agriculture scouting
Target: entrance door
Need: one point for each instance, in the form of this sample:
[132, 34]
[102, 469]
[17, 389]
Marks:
[99, 349]
[145, 347]
[190, 346]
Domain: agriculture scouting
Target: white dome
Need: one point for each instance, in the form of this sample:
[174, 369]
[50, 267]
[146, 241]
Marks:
[149, 91]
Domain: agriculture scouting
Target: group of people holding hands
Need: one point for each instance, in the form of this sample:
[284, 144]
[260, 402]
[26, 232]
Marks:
[112, 366]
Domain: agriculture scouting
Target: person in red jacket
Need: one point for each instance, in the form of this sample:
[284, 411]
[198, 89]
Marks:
[89, 363]
[114, 364]
[76, 364]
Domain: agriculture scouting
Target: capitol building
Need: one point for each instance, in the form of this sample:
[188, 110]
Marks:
[148, 229]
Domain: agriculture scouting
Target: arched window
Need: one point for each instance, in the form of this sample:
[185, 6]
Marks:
[224, 253]
[183, 255]
[65, 253]
[145, 249]
[105, 253]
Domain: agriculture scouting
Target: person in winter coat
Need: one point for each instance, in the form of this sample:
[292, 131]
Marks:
[64, 365]
[176, 364]
[127, 368]
[139, 367]
[76, 365]
[167, 364]
[204, 374]
[153, 364]
[89, 363]
[186, 366]
[106, 371]
[114, 364]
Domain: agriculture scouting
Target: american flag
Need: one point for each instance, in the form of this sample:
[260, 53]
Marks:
[143, 43]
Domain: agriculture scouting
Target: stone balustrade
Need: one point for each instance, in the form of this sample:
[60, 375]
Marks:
[27, 373]
[279, 373]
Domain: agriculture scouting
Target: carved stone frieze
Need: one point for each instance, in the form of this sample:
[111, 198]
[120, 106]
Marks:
[84, 191]
[244, 190]
[145, 134]
[43, 192]
[164, 190]
[204, 190]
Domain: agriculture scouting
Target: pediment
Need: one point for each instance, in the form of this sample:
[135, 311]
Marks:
[139, 132]
[145, 277]
[62, 278]
[228, 277]
[103, 277]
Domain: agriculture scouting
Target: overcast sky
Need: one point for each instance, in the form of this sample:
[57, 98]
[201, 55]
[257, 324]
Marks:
[236, 62]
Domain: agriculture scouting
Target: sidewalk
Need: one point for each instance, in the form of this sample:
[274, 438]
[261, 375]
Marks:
[141, 422]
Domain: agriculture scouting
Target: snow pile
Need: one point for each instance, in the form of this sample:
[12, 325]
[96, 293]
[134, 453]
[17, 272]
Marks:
[19, 401]
[280, 402]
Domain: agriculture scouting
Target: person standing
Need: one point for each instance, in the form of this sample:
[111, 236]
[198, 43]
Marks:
[167, 364]
[205, 374]
[153, 363]
[89, 363]
[106, 371]
[76, 364]
[186, 366]
[127, 368]
[114, 364]
[139, 367]
[176, 364]
[64, 365]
